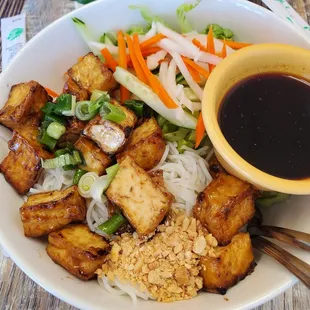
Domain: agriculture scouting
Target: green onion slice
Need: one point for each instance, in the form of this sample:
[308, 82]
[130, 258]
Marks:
[113, 224]
[112, 113]
[82, 111]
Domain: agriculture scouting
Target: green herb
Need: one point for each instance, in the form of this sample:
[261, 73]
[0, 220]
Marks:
[112, 113]
[113, 224]
[63, 104]
[220, 32]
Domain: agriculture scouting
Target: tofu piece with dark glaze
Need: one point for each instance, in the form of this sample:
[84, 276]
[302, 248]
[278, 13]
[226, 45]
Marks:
[95, 159]
[78, 250]
[145, 145]
[91, 74]
[108, 135]
[24, 102]
[142, 201]
[46, 212]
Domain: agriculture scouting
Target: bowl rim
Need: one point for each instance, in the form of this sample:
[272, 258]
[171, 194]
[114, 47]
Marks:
[39, 278]
[222, 146]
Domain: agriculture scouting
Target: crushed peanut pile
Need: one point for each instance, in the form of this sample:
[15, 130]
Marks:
[167, 266]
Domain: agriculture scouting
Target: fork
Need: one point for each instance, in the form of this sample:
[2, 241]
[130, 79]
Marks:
[292, 237]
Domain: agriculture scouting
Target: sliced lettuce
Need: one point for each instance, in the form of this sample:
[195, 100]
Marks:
[181, 16]
[147, 15]
[138, 29]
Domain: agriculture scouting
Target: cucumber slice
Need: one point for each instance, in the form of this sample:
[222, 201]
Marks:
[175, 116]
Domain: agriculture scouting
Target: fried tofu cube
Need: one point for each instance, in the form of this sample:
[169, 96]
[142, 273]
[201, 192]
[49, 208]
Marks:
[74, 89]
[95, 159]
[78, 250]
[25, 99]
[46, 212]
[225, 206]
[215, 167]
[142, 201]
[90, 74]
[230, 264]
[73, 132]
[108, 135]
[22, 166]
[145, 145]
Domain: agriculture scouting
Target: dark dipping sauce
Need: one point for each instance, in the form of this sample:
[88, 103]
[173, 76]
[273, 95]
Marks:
[266, 120]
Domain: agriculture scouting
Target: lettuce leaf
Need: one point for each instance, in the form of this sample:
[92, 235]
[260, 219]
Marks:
[181, 16]
[147, 15]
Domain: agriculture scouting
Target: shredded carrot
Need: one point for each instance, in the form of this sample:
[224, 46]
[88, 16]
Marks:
[109, 60]
[237, 45]
[151, 41]
[122, 63]
[150, 50]
[51, 92]
[153, 80]
[199, 45]
[210, 46]
[200, 130]
[164, 60]
[224, 51]
[194, 73]
[139, 72]
[195, 66]
[145, 52]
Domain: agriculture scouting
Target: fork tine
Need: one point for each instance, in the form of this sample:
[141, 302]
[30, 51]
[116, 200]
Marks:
[295, 238]
[298, 267]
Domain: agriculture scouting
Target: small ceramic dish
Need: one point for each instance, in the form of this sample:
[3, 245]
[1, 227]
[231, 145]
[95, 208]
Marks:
[250, 61]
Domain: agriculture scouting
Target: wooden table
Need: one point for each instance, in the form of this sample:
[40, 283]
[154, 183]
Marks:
[17, 291]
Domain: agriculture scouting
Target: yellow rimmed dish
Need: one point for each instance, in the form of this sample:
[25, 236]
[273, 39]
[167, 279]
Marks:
[250, 61]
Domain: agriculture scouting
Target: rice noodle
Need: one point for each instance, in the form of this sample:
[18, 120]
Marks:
[117, 288]
[185, 174]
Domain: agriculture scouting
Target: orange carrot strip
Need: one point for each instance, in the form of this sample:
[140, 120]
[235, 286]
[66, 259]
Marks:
[194, 73]
[122, 63]
[195, 66]
[237, 45]
[153, 81]
[200, 130]
[224, 51]
[151, 41]
[109, 60]
[139, 72]
[210, 46]
[199, 45]
[146, 52]
[51, 92]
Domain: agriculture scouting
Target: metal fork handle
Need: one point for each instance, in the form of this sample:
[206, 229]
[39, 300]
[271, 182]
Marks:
[298, 267]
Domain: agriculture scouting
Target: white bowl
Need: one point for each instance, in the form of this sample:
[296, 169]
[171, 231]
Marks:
[45, 59]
